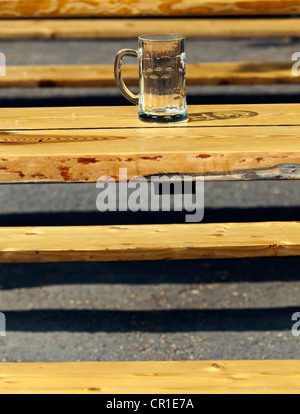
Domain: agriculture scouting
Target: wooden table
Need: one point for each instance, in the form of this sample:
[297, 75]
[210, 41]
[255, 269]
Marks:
[228, 142]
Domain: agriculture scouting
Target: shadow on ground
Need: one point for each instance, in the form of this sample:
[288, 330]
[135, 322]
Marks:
[175, 320]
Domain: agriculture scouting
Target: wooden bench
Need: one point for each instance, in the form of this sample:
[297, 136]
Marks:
[163, 377]
[268, 150]
[52, 21]
[81, 144]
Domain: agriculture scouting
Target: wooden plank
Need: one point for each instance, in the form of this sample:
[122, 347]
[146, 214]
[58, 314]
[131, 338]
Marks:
[83, 156]
[107, 28]
[152, 377]
[221, 73]
[225, 154]
[104, 117]
[227, 142]
[124, 8]
[148, 242]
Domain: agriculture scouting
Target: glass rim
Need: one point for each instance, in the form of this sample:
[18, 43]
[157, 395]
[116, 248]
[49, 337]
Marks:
[161, 37]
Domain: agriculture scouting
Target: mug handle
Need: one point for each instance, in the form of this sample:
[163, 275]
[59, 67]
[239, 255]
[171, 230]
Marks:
[118, 74]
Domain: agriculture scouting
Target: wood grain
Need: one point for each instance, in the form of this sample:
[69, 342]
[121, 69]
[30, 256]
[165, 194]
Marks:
[227, 142]
[149, 242]
[225, 73]
[217, 154]
[107, 28]
[125, 8]
[103, 117]
[152, 377]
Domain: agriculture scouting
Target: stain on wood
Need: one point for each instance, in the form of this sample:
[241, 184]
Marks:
[87, 160]
[203, 156]
[64, 172]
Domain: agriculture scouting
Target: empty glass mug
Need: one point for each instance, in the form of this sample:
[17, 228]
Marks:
[162, 92]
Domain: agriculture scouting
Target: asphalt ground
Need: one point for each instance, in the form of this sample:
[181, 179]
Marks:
[165, 310]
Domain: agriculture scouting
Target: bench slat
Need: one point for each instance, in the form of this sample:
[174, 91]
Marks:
[83, 156]
[103, 117]
[228, 142]
[239, 153]
[152, 377]
[242, 73]
[132, 28]
[97, 8]
[149, 242]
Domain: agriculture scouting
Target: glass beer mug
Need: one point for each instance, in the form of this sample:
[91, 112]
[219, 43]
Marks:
[162, 91]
